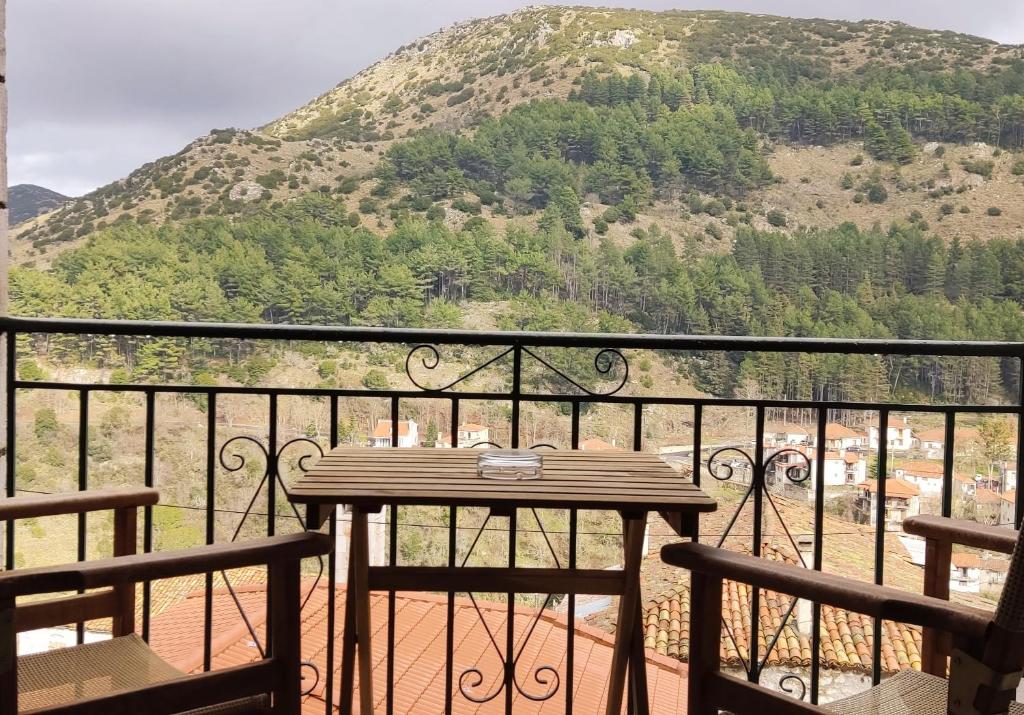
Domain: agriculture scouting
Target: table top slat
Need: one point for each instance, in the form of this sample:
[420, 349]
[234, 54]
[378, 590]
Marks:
[365, 476]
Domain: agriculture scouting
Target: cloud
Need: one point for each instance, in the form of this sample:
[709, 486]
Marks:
[98, 88]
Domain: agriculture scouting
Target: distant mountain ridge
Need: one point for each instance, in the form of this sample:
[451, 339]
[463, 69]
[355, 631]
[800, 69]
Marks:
[27, 201]
[816, 93]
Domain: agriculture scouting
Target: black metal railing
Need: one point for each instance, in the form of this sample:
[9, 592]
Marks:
[514, 361]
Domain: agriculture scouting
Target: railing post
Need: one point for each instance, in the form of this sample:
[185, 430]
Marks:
[6, 356]
[936, 645]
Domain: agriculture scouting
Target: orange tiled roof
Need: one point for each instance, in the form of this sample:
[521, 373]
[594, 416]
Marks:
[420, 650]
[987, 496]
[938, 434]
[834, 430]
[846, 637]
[168, 592]
[1009, 495]
[919, 467]
[784, 428]
[893, 487]
[383, 429]
[965, 560]
[472, 427]
[596, 444]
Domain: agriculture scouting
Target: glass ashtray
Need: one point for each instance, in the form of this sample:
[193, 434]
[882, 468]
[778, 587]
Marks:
[509, 464]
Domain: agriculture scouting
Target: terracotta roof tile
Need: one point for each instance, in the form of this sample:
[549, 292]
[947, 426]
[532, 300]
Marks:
[785, 428]
[893, 487]
[419, 660]
[834, 430]
[596, 444]
[846, 638]
[987, 496]
[383, 429]
[965, 560]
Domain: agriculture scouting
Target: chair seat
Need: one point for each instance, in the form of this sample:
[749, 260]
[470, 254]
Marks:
[92, 670]
[909, 692]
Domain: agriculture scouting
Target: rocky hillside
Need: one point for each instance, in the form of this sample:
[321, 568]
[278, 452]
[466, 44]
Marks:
[777, 76]
[27, 201]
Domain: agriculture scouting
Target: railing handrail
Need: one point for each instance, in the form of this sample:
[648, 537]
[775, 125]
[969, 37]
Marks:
[279, 331]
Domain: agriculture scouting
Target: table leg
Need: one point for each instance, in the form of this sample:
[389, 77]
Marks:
[360, 558]
[638, 667]
[348, 640]
[357, 636]
[628, 623]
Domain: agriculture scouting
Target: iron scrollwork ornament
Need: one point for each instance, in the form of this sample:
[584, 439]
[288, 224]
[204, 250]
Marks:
[430, 359]
[786, 687]
[796, 471]
[604, 365]
[235, 461]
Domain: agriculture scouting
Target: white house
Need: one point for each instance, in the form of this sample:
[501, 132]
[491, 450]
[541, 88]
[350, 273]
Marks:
[902, 500]
[841, 468]
[965, 572]
[408, 434]
[933, 441]
[844, 469]
[898, 436]
[840, 438]
[785, 434]
[928, 477]
[469, 434]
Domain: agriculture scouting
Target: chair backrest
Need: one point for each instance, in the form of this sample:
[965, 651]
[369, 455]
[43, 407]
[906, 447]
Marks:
[1010, 610]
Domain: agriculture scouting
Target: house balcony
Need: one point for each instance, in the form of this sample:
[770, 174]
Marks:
[108, 403]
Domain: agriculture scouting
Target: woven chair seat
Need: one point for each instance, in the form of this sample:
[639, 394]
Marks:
[909, 692]
[92, 670]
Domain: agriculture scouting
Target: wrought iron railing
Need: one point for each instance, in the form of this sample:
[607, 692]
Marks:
[513, 357]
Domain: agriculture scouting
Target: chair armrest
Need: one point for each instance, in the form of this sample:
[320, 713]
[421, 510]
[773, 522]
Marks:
[36, 505]
[159, 565]
[859, 597]
[961, 531]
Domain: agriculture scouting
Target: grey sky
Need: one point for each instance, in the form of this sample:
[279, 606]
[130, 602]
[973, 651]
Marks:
[99, 87]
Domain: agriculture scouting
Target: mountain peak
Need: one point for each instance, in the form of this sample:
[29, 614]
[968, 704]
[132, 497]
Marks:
[27, 201]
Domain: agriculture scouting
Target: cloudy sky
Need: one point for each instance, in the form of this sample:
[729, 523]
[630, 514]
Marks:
[99, 87]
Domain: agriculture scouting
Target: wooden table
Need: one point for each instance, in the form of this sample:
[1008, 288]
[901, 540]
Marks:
[368, 479]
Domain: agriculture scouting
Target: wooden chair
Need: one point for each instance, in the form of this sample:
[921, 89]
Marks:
[123, 675]
[987, 650]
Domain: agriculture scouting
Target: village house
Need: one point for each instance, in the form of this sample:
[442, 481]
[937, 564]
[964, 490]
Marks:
[840, 438]
[469, 434]
[408, 434]
[902, 500]
[988, 505]
[1008, 501]
[964, 572]
[932, 442]
[898, 437]
[841, 469]
[844, 469]
[927, 475]
[785, 434]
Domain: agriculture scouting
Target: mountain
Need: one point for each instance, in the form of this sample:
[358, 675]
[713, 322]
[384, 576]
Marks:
[27, 201]
[835, 89]
[592, 170]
